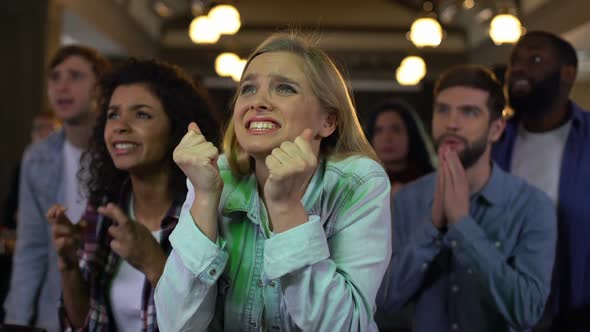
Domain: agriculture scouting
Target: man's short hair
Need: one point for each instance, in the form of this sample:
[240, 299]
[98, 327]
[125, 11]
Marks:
[476, 77]
[100, 64]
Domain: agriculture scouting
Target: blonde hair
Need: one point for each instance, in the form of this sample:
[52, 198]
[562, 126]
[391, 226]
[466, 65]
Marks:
[330, 88]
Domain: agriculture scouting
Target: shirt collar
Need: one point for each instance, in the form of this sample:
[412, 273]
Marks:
[577, 113]
[244, 197]
[576, 116]
[491, 191]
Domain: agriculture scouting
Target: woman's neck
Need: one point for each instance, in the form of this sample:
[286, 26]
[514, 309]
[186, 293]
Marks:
[396, 166]
[152, 198]
[261, 173]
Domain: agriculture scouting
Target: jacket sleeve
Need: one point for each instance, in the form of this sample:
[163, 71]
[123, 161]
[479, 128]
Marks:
[186, 292]
[330, 283]
[517, 285]
[31, 253]
[416, 243]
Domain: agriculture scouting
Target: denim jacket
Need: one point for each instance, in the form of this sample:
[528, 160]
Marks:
[319, 276]
[35, 286]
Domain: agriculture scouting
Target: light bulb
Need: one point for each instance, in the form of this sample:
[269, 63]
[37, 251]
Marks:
[505, 28]
[202, 31]
[226, 19]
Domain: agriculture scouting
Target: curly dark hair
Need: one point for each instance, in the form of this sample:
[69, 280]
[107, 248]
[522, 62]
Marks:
[182, 102]
[419, 147]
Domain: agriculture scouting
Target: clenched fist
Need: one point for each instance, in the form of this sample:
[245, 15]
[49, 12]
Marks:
[197, 158]
[290, 168]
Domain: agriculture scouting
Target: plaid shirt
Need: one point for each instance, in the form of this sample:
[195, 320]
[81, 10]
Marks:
[99, 264]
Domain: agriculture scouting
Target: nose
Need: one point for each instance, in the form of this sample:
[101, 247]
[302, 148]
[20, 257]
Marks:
[62, 84]
[517, 65]
[121, 130]
[120, 126]
[261, 102]
[453, 121]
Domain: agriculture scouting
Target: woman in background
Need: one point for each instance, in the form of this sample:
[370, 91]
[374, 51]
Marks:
[135, 195]
[398, 137]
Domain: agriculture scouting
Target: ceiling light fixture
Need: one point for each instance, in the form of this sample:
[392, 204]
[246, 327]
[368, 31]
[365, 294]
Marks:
[229, 64]
[226, 63]
[226, 19]
[505, 28]
[411, 70]
[202, 31]
[426, 31]
[162, 9]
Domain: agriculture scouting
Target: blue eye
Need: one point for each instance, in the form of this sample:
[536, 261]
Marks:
[144, 115]
[285, 88]
[247, 89]
[441, 110]
[471, 112]
[112, 115]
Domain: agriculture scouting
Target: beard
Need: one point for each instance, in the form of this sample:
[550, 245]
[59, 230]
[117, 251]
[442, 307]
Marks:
[472, 151]
[539, 100]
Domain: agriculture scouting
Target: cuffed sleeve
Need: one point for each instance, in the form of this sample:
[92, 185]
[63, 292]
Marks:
[185, 295]
[296, 248]
[201, 257]
[330, 284]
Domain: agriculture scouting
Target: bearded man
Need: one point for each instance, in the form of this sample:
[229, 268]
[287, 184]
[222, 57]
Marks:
[546, 143]
[473, 246]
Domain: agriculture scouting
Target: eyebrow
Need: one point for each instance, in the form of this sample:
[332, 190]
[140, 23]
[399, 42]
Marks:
[469, 107]
[133, 107]
[274, 77]
[461, 107]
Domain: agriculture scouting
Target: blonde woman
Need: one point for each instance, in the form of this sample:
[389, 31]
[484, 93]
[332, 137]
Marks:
[302, 235]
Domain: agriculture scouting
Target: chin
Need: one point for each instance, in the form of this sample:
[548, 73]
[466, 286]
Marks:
[258, 151]
[70, 117]
[123, 167]
[259, 145]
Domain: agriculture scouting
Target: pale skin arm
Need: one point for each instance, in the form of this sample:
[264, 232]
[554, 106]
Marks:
[290, 169]
[197, 158]
[67, 238]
